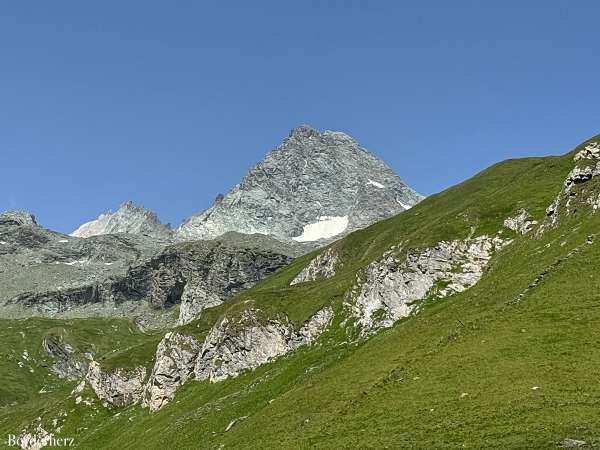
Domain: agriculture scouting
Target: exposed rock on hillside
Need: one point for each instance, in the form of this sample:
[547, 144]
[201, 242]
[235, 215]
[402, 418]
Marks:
[393, 284]
[322, 266]
[127, 219]
[195, 298]
[521, 223]
[587, 167]
[174, 364]
[120, 388]
[67, 363]
[201, 274]
[315, 185]
[231, 347]
[590, 151]
[234, 346]
[43, 272]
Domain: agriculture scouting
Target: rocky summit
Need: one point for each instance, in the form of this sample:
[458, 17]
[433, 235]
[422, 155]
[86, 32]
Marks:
[314, 186]
[129, 219]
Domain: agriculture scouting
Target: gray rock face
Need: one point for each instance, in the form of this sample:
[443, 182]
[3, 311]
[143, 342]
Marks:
[17, 218]
[590, 151]
[67, 363]
[213, 270]
[127, 219]
[584, 170]
[315, 185]
[43, 273]
[195, 298]
[231, 347]
[322, 266]
[393, 284]
[573, 443]
[521, 223]
[174, 364]
[234, 346]
[312, 328]
[120, 388]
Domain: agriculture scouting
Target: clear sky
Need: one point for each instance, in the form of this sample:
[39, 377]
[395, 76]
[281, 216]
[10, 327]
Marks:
[169, 103]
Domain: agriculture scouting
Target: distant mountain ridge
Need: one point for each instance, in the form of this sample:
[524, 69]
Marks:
[129, 219]
[314, 187]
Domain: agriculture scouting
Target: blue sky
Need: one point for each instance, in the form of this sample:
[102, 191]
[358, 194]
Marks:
[169, 103]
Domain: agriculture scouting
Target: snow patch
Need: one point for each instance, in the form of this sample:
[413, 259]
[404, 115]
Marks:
[108, 264]
[94, 227]
[63, 241]
[376, 184]
[72, 263]
[404, 205]
[325, 227]
[3, 243]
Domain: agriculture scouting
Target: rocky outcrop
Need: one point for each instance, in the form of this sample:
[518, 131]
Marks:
[521, 223]
[231, 347]
[174, 364]
[581, 175]
[213, 270]
[315, 185]
[122, 387]
[36, 439]
[68, 363]
[17, 218]
[590, 151]
[196, 298]
[43, 273]
[234, 346]
[166, 285]
[567, 200]
[392, 285]
[127, 219]
[312, 328]
[322, 266]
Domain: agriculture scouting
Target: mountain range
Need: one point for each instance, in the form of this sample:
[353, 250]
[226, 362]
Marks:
[315, 186]
[310, 307]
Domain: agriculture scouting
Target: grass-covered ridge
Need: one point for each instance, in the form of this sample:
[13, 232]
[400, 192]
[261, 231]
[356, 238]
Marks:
[459, 374]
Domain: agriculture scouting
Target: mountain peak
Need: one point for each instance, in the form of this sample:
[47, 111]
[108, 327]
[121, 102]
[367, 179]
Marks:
[129, 218]
[303, 131]
[313, 186]
[18, 218]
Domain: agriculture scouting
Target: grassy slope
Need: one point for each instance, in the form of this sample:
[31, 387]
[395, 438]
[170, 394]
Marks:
[28, 390]
[403, 388]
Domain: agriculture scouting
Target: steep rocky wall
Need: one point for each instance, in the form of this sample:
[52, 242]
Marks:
[201, 274]
[174, 364]
[322, 266]
[68, 363]
[120, 387]
[573, 194]
[234, 346]
[391, 286]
